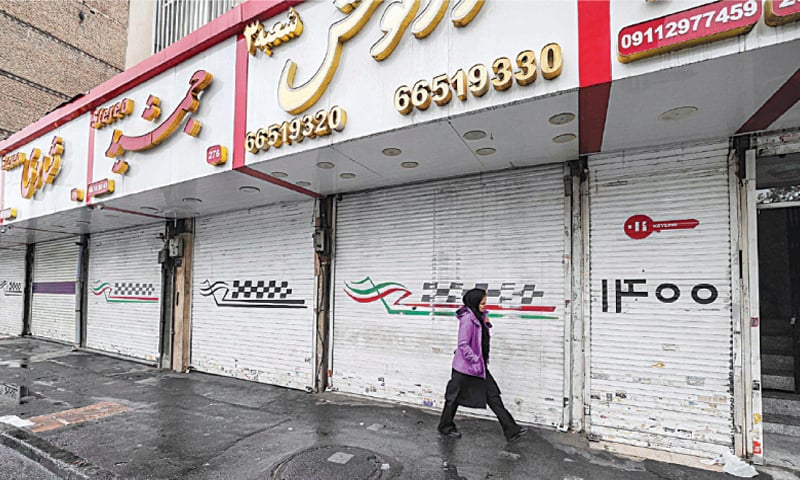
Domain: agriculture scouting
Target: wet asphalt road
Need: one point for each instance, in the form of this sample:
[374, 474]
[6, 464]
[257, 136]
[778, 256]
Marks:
[14, 466]
[197, 426]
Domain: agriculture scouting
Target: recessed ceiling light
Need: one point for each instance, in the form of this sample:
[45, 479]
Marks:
[562, 118]
[279, 174]
[249, 189]
[677, 113]
[392, 151]
[409, 164]
[564, 138]
[303, 183]
[485, 151]
[326, 165]
[191, 200]
[148, 209]
[347, 175]
[475, 135]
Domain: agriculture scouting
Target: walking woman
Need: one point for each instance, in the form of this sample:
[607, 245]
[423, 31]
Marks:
[471, 384]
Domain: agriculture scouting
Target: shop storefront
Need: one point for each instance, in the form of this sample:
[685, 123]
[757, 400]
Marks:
[299, 194]
[124, 298]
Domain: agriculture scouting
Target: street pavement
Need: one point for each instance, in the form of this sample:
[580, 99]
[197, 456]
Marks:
[84, 415]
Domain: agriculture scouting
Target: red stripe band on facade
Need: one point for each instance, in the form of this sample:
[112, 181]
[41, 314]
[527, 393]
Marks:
[240, 102]
[594, 64]
[213, 33]
[89, 165]
[276, 181]
[778, 104]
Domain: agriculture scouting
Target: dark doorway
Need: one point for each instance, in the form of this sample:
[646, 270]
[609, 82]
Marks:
[779, 292]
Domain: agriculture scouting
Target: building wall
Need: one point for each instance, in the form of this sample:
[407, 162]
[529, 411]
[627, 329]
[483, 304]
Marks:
[55, 51]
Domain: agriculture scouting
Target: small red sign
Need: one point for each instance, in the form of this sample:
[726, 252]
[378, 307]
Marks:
[100, 188]
[703, 24]
[217, 155]
[76, 195]
[639, 227]
[779, 12]
[757, 447]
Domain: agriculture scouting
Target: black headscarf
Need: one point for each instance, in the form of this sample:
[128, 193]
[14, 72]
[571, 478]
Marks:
[472, 300]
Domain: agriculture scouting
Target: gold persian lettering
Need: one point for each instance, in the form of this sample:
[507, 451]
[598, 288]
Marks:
[258, 38]
[465, 11]
[394, 22]
[429, 19]
[298, 99]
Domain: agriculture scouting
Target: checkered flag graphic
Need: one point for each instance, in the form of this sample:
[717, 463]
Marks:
[261, 289]
[132, 289]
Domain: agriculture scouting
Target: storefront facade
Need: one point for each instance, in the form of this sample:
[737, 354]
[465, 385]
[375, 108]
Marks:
[340, 183]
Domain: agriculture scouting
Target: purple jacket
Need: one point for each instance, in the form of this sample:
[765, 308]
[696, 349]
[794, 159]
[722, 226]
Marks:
[469, 355]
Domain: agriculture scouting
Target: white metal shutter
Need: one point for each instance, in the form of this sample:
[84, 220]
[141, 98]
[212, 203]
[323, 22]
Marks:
[253, 295]
[124, 292]
[12, 290]
[55, 272]
[401, 252]
[661, 363]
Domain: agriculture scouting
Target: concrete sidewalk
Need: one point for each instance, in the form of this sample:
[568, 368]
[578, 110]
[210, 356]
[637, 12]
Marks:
[92, 416]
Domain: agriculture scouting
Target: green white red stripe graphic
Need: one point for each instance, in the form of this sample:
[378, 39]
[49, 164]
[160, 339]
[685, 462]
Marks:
[367, 291]
[113, 295]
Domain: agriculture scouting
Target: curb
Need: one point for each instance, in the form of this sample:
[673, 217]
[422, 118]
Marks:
[58, 461]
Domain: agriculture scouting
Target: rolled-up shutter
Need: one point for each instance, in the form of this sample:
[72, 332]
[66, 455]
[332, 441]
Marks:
[124, 307]
[12, 290]
[404, 257]
[55, 272]
[661, 318]
[253, 295]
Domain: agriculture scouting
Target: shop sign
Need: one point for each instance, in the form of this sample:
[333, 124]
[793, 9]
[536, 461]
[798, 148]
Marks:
[781, 12]
[704, 24]
[217, 155]
[259, 38]
[397, 17]
[36, 171]
[76, 195]
[121, 143]
[8, 214]
[444, 298]
[101, 188]
[108, 115]
[701, 294]
[639, 227]
[320, 124]
[477, 80]
[11, 289]
[252, 294]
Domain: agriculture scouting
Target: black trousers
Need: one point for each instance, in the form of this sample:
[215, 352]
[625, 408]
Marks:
[510, 427]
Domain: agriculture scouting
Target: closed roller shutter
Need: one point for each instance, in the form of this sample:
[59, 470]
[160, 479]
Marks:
[405, 255]
[253, 295]
[661, 319]
[55, 271]
[12, 290]
[124, 307]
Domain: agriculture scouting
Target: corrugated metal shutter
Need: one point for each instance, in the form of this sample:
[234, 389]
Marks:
[661, 358]
[12, 290]
[124, 292]
[55, 271]
[404, 254]
[253, 295]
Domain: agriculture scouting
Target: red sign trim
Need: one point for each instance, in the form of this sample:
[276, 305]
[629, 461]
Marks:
[786, 11]
[695, 26]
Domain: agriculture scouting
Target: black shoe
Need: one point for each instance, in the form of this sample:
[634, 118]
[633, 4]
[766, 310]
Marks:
[518, 435]
[451, 433]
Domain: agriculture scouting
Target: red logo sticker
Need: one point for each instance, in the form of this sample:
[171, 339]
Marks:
[639, 227]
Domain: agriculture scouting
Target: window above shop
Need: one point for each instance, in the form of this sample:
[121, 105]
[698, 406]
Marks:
[174, 19]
